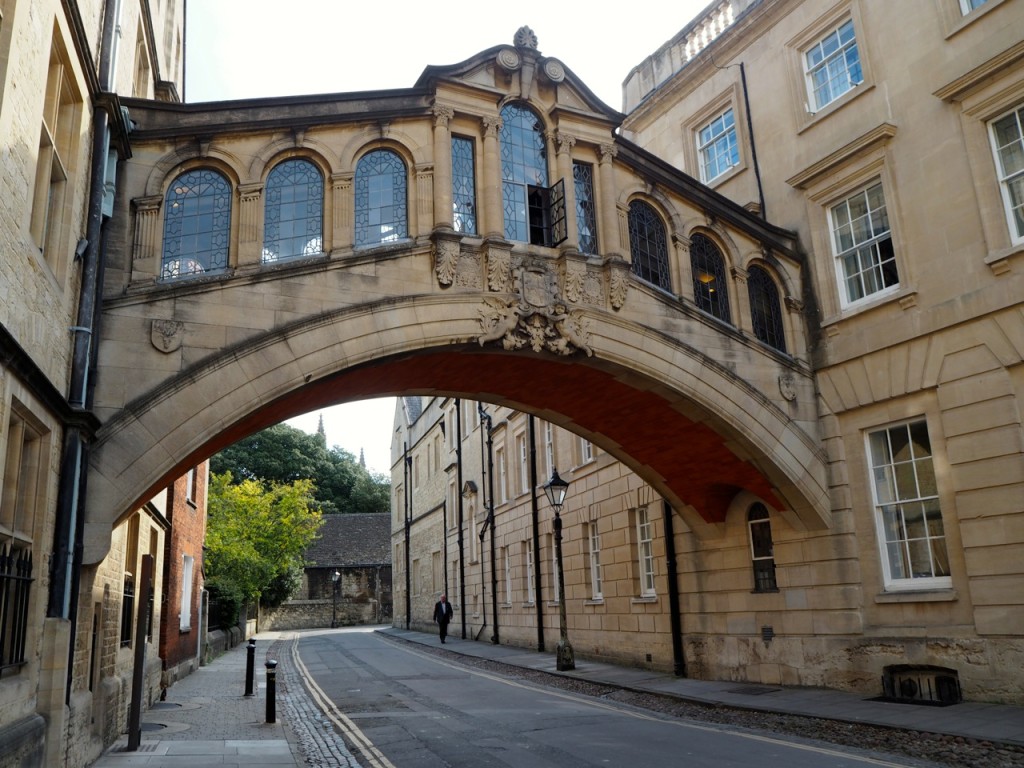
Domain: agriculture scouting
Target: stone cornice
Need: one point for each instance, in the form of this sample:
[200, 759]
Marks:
[963, 85]
[877, 136]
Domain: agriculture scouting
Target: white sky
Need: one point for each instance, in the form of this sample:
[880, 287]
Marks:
[239, 49]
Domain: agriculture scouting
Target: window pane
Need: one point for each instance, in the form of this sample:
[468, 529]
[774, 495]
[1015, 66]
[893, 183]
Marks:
[765, 308]
[586, 216]
[293, 216]
[648, 245]
[523, 163]
[197, 222]
[380, 198]
[463, 185]
[710, 290]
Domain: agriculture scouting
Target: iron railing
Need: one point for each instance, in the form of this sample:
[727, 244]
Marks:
[15, 582]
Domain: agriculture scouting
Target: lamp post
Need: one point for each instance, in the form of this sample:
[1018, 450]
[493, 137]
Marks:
[335, 582]
[555, 490]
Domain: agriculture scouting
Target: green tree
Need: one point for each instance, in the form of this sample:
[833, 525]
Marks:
[283, 454]
[256, 535]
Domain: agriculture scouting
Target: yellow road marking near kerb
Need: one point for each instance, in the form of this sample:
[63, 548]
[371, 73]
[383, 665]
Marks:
[378, 760]
[344, 724]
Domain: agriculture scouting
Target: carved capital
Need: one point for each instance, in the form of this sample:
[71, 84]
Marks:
[608, 152]
[566, 142]
[442, 115]
[492, 126]
[618, 282]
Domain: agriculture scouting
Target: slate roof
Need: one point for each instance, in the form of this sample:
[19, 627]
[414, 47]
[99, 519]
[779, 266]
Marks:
[352, 539]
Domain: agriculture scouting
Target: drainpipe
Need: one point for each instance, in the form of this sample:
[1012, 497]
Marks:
[753, 146]
[70, 518]
[535, 525]
[676, 619]
[490, 521]
[408, 531]
[462, 546]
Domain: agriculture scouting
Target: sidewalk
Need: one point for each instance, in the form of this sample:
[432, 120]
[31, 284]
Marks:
[987, 722]
[207, 721]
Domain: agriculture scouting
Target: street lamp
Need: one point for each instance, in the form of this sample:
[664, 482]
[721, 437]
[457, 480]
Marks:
[335, 581]
[555, 490]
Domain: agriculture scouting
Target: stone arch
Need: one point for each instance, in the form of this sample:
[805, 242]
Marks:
[371, 138]
[428, 344]
[287, 148]
[183, 159]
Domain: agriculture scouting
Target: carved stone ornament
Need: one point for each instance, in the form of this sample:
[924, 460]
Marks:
[536, 318]
[618, 283]
[446, 260]
[525, 38]
[498, 263]
[508, 59]
[787, 386]
[554, 70]
[167, 335]
[575, 277]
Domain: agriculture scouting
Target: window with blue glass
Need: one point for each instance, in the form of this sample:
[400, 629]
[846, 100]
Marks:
[197, 224]
[833, 66]
[463, 186]
[534, 212]
[381, 185]
[586, 209]
[717, 146]
[765, 308]
[648, 245]
[294, 212]
[710, 292]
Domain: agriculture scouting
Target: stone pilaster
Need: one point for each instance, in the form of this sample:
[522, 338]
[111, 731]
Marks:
[493, 223]
[442, 165]
[146, 250]
[250, 219]
[342, 211]
[609, 230]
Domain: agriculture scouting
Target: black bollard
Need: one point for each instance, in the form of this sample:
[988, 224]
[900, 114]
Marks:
[250, 666]
[271, 691]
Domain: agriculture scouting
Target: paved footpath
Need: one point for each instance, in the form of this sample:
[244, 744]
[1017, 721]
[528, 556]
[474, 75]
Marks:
[207, 720]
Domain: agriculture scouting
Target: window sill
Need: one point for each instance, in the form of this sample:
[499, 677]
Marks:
[939, 595]
[644, 600]
[594, 601]
[966, 20]
[999, 261]
[811, 119]
[906, 296]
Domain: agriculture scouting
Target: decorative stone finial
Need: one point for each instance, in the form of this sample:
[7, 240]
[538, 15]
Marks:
[525, 38]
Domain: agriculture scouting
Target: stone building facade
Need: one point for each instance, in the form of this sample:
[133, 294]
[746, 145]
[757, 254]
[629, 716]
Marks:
[62, 66]
[347, 577]
[888, 136]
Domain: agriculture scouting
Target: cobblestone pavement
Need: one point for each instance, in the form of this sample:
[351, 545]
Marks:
[319, 742]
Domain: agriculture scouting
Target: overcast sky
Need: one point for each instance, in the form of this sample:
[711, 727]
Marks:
[239, 49]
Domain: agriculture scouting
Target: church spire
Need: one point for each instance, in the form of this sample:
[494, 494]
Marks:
[320, 431]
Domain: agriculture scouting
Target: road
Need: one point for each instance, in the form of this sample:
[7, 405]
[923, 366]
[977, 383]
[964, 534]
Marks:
[399, 706]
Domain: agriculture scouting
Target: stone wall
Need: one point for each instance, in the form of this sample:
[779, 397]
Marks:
[314, 614]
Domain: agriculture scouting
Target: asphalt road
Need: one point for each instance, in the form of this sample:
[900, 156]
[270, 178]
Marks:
[399, 706]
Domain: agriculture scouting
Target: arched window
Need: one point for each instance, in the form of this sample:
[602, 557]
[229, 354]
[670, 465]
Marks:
[710, 291]
[534, 212]
[197, 224]
[380, 198]
[762, 551]
[765, 309]
[294, 211]
[648, 245]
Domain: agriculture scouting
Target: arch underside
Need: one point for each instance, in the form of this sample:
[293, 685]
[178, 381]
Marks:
[664, 427]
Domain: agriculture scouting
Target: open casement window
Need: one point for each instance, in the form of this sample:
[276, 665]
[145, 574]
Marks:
[911, 533]
[534, 211]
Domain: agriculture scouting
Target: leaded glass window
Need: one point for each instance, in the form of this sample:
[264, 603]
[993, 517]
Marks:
[648, 245]
[293, 215]
[710, 290]
[908, 516]
[463, 185]
[762, 550]
[765, 308]
[524, 169]
[381, 185]
[586, 209]
[197, 224]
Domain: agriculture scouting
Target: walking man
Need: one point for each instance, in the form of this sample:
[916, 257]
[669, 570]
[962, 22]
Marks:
[442, 615]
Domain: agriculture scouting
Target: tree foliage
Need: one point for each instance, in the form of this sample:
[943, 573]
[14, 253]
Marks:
[283, 454]
[256, 534]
